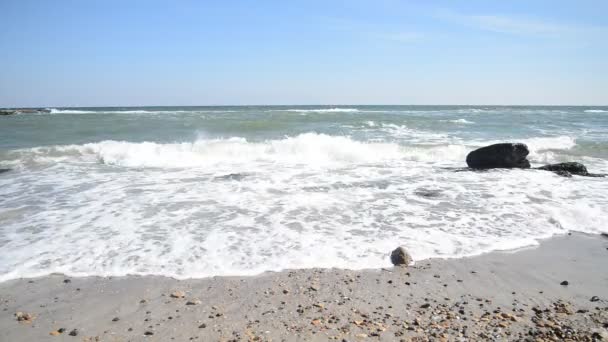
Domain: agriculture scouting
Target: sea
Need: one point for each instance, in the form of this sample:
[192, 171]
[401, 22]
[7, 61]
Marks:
[190, 192]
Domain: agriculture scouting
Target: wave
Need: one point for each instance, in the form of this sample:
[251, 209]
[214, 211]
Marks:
[596, 111]
[460, 121]
[323, 110]
[70, 111]
[305, 150]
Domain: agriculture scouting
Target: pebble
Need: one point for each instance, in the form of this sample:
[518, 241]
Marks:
[148, 333]
[74, 332]
[178, 294]
[193, 302]
[564, 283]
[115, 319]
[594, 299]
[24, 317]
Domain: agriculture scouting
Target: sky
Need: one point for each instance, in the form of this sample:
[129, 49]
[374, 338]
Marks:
[143, 53]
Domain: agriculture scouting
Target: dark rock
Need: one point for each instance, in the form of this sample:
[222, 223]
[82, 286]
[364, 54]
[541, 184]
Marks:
[566, 169]
[23, 111]
[564, 283]
[148, 333]
[400, 257]
[428, 193]
[4, 170]
[61, 330]
[595, 299]
[74, 332]
[115, 319]
[505, 155]
[425, 306]
[67, 281]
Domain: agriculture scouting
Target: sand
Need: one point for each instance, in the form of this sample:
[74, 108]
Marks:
[496, 296]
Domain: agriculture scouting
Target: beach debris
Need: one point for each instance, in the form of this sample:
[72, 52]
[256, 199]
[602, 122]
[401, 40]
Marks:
[504, 155]
[178, 294]
[400, 257]
[57, 332]
[24, 317]
[194, 302]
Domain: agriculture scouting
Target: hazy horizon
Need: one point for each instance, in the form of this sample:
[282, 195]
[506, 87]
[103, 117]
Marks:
[313, 105]
[153, 53]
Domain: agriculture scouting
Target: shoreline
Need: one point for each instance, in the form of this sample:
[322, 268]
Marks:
[499, 295]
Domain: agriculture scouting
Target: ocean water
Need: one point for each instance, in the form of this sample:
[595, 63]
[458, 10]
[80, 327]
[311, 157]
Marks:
[205, 191]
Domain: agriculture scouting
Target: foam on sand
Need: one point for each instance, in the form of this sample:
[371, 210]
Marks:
[117, 207]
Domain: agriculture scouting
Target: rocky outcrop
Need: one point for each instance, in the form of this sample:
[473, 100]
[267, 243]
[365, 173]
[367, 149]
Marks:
[566, 169]
[4, 170]
[23, 111]
[570, 168]
[400, 257]
[505, 155]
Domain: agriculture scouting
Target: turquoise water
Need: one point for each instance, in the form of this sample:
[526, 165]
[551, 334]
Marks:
[201, 191]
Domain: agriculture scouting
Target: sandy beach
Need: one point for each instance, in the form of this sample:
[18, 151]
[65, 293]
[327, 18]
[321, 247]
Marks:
[518, 295]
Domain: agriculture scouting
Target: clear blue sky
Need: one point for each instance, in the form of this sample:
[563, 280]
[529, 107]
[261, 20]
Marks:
[129, 53]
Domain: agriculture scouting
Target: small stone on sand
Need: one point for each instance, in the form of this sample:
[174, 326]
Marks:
[400, 257]
[178, 294]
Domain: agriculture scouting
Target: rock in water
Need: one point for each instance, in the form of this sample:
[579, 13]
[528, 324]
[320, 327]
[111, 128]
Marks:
[400, 257]
[506, 155]
[566, 169]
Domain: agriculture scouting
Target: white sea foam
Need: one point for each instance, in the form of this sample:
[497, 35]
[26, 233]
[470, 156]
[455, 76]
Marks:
[234, 206]
[460, 121]
[596, 111]
[309, 149]
[70, 111]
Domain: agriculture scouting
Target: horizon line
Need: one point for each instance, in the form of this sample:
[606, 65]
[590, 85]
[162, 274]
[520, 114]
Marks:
[311, 105]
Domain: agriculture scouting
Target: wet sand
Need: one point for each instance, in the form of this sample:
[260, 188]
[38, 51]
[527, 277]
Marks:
[498, 296]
